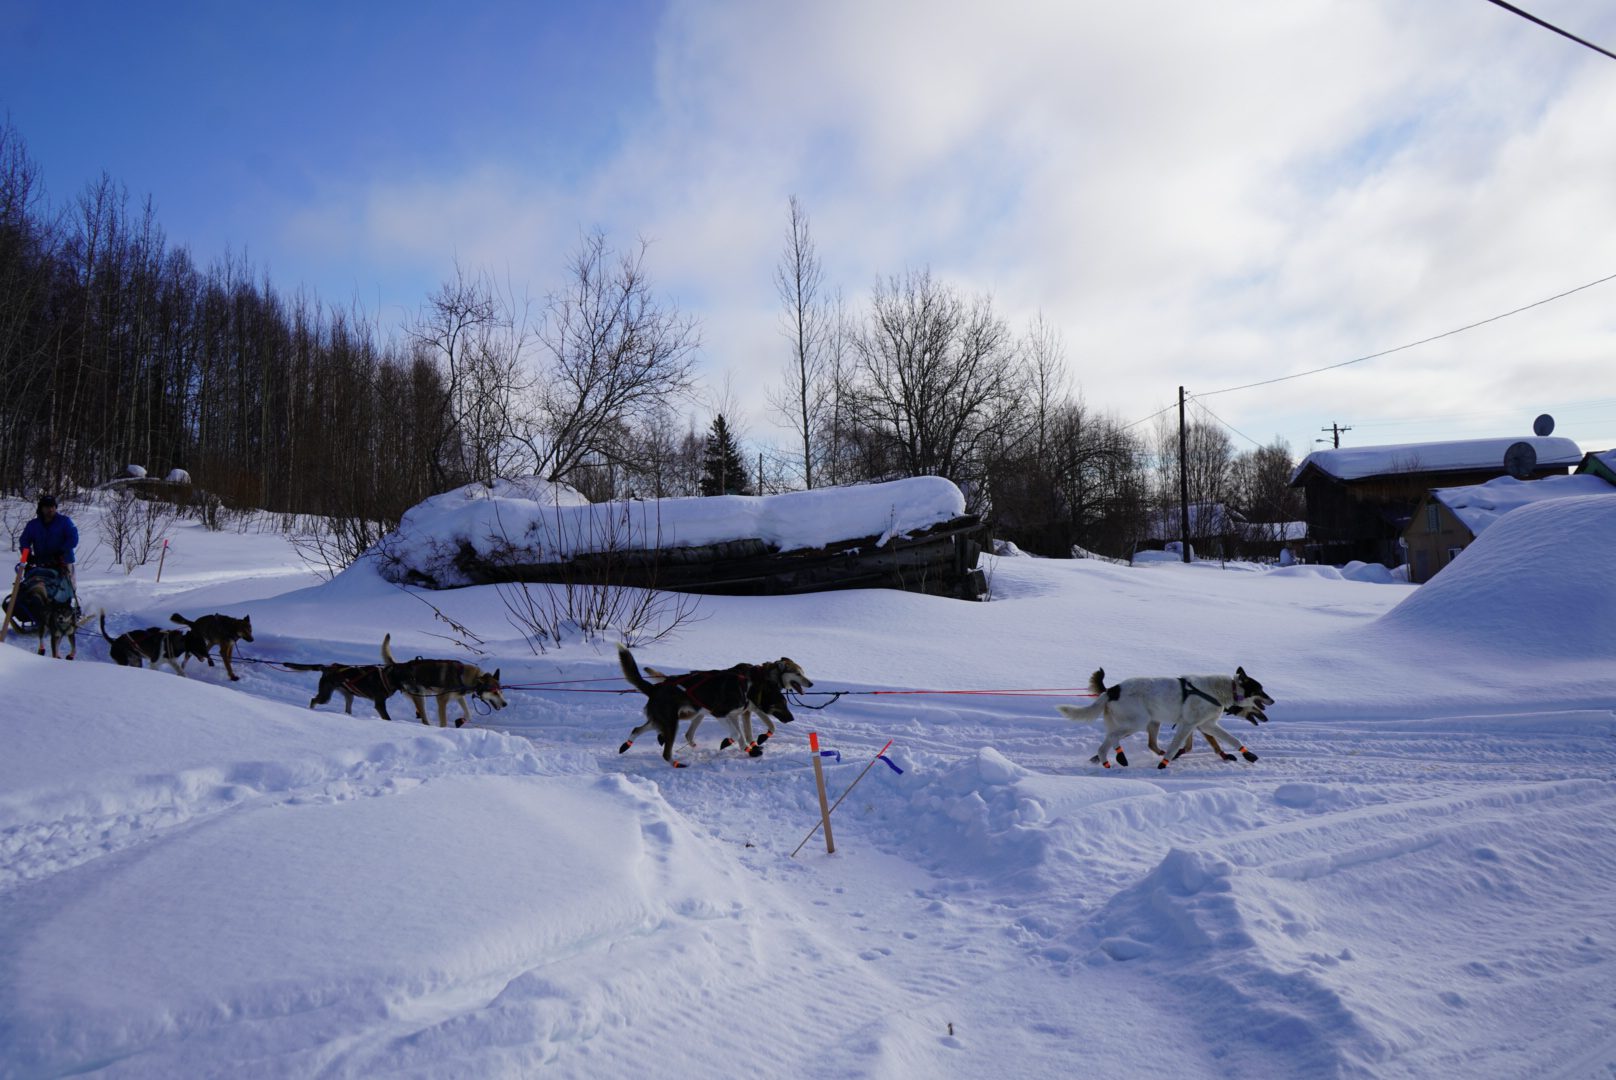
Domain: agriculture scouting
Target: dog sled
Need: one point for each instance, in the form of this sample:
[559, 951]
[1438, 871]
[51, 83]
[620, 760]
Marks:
[23, 616]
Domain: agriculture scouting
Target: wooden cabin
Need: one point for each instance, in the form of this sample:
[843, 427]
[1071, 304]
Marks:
[1360, 500]
[1448, 520]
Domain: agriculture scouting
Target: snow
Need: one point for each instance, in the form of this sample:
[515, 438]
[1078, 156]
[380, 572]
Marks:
[537, 523]
[201, 878]
[1359, 462]
[1479, 505]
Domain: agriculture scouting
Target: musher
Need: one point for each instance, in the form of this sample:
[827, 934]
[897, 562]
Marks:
[50, 539]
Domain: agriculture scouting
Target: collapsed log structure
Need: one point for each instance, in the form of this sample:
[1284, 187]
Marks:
[940, 560]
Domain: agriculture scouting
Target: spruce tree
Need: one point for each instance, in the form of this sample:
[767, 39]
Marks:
[722, 472]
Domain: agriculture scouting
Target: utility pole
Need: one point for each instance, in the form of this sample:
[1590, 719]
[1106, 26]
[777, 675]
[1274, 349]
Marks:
[1335, 431]
[1183, 479]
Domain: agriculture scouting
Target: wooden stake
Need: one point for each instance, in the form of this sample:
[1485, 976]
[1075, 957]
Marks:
[824, 804]
[160, 559]
[11, 603]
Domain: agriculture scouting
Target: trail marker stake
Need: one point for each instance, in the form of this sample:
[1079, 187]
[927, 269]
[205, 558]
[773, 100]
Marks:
[160, 559]
[11, 603]
[824, 807]
[824, 813]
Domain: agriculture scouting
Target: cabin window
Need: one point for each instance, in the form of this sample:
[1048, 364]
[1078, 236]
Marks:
[1432, 521]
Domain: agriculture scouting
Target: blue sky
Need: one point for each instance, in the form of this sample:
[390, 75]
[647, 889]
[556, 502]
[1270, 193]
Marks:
[1198, 195]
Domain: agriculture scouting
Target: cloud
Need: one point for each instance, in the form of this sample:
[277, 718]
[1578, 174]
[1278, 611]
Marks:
[1196, 194]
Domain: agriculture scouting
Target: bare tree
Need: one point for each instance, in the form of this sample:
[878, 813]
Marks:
[612, 354]
[937, 378]
[808, 325]
[1260, 485]
[478, 336]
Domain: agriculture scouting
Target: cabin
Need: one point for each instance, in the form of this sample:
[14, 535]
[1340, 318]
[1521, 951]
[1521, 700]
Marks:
[1599, 463]
[1448, 520]
[1361, 499]
[1215, 530]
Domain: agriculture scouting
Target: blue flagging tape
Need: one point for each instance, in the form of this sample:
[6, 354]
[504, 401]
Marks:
[890, 765]
[837, 754]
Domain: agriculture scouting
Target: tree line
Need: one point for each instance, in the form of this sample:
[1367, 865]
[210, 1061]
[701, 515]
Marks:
[118, 348]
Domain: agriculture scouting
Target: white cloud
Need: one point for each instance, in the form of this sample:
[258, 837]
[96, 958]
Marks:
[1196, 194]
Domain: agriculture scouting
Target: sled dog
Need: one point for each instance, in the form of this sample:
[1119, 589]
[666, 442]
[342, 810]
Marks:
[723, 694]
[446, 680]
[1192, 702]
[767, 687]
[56, 618]
[368, 681]
[153, 645]
[210, 630]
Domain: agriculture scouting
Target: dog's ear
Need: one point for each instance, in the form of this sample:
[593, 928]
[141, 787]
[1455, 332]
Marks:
[496, 674]
[1240, 671]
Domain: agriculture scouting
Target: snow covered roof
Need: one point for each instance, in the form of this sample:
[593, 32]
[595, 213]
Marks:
[536, 523]
[1206, 519]
[1359, 462]
[1479, 505]
[1600, 463]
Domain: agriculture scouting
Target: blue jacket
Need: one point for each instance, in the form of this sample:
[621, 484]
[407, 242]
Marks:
[53, 543]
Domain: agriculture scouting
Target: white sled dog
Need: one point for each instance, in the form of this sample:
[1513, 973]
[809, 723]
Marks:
[1193, 702]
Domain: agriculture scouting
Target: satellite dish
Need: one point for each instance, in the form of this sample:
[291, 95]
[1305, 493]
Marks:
[1519, 460]
[1543, 426]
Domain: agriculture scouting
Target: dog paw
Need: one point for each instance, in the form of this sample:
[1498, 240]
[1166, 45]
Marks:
[624, 748]
[1162, 764]
[726, 744]
[677, 764]
[1122, 759]
[1247, 754]
[763, 738]
[754, 751]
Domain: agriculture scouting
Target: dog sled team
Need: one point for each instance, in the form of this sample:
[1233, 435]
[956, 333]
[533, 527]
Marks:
[43, 599]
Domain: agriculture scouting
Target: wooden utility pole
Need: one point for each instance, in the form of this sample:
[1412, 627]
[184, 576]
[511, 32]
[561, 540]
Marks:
[1335, 431]
[1183, 478]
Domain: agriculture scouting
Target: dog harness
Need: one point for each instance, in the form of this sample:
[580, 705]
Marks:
[1187, 688]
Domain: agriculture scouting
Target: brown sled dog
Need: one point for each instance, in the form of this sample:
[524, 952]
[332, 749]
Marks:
[443, 679]
[368, 681]
[153, 645]
[210, 630]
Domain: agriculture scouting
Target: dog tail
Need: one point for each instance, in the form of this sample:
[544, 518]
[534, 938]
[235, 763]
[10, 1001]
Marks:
[181, 619]
[387, 653]
[104, 626]
[1092, 711]
[631, 671]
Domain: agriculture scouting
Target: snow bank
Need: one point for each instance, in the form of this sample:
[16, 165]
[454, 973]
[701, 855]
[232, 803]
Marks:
[541, 524]
[1479, 505]
[1539, 582]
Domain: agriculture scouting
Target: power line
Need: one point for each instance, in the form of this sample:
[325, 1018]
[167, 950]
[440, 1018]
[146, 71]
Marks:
[1196, 398]
[1410, 345]
[1550, 26]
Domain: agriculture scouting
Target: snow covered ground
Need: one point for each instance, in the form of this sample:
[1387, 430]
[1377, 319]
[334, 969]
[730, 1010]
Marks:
[200, 878]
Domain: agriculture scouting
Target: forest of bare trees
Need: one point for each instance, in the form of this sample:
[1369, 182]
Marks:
[117, 348]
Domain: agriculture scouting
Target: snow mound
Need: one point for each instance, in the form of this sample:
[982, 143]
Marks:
[538, 523]
[1196, 922]
[1539, 582]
